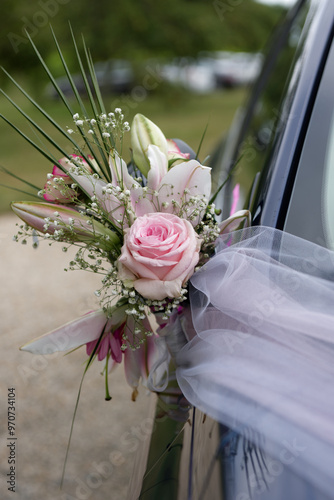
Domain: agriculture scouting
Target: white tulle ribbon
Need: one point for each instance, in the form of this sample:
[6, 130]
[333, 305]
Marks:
[170, 341]
[262, 358]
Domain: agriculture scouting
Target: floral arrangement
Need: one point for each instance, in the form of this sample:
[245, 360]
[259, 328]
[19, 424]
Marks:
[145, 227]
[145, 234]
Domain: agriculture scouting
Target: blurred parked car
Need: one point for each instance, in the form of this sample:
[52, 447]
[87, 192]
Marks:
[234, 69]
[114, 76]
[213, 70]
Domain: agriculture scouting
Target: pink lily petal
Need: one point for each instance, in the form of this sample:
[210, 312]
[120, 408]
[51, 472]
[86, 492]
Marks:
[75, 226]
[119, 173]
[159, 167]
[69, 336]
[132, 366]
[234, 221]
[174, 153]
[235, 198]
[190, 176]
[103, 348]
[115, 343]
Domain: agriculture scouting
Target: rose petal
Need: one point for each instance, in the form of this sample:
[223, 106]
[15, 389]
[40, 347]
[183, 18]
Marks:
[158, 290]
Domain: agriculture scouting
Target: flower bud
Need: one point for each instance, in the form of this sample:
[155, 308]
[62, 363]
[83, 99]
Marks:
[71, 226]
[175, 156]
[143, 134]
[241, 218]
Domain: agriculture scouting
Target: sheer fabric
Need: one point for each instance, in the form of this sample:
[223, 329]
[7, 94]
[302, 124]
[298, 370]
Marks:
[262, 358]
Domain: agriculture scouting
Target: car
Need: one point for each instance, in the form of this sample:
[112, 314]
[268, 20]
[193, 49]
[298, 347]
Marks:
[113, 76]
[213, 70]
[281, 149]
[282, 143]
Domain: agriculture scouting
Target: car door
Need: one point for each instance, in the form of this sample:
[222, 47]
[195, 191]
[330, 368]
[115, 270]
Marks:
[281, 148]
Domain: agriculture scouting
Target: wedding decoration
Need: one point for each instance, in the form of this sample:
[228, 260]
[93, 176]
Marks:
[250, 339]
[261, 358]
[144, 235]
[145, 228]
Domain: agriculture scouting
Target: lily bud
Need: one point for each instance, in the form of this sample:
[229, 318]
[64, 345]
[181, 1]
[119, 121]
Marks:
[66, 224]
[242, 217]
[175, 156]
[143, 134]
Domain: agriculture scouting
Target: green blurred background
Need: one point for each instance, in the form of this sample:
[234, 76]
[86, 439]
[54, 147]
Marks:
[147, 34]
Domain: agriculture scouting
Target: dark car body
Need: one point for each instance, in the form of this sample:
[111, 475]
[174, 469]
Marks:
[281, 148]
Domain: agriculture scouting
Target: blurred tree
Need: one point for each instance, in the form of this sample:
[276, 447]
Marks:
[132, 29]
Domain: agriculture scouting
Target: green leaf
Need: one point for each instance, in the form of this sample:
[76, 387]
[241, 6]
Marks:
[102, 144]
[201, 141]
[20, 191]
[48, 117]
[225, 181]
[52, 79]
[8, 172]
[82, 107]
[89, 362]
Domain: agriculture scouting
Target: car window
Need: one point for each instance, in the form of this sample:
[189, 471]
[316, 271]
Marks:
[311, 209]
[266, 120]
[256, 125]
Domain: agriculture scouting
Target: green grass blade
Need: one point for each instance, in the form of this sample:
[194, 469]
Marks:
[103, 146]
[93, 76]
[225, 181]
[89, 362]
[52, 79]
[69, 75]
[20, 191]
[35, 125]
[49, 157]
[8, 172]
[83, 110]
[201, 141]
[84, 77]
[43, 152]
[50, 119]
[81, 104]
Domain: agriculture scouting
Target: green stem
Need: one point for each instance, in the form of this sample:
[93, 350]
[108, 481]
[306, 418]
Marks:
[108, 397]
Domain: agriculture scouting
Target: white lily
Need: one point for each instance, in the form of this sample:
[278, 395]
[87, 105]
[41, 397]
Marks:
[94, 326]
[143, 134]
[184, 190]
[234, 221]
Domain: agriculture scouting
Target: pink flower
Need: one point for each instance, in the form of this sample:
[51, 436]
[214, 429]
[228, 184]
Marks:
[110, 343]
[159, 255]
[175, 155]
[235, 198]
[67, 223]
[57, 188]
[88, 329]
[175, 188]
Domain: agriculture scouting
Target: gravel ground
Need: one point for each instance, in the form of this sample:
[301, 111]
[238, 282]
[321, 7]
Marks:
[37, 296]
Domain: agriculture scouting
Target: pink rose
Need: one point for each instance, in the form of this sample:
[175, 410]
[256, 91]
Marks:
[159, 255]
